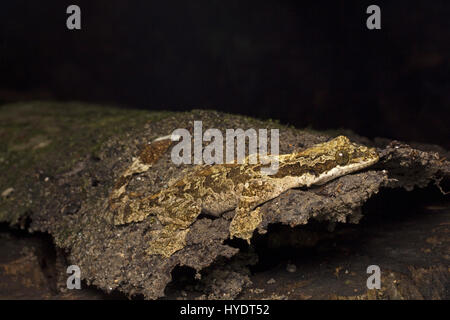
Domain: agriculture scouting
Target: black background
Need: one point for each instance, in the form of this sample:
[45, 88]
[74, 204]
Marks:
[306, 63]
[279, 309]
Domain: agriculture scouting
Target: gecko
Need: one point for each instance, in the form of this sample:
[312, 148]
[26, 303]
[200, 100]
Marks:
[218, 188]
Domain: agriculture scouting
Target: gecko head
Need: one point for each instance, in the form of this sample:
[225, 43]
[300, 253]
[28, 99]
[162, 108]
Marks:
[326, 161]
[329, 160]
[349, 154]
[340, 156]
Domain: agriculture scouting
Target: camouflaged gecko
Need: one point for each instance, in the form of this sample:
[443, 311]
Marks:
[215, 189]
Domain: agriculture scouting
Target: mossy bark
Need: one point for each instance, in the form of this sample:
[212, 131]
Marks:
[60, 161]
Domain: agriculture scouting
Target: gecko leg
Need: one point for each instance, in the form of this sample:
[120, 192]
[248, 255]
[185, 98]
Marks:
[248, 215]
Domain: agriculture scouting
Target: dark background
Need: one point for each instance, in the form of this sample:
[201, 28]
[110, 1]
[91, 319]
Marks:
[311, 63]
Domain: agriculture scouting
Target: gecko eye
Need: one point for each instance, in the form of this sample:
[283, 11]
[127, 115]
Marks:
[342, 157]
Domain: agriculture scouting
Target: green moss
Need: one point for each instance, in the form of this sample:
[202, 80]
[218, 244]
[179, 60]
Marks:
[32, 133]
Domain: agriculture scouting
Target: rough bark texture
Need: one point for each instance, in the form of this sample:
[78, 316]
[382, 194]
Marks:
[60, 163]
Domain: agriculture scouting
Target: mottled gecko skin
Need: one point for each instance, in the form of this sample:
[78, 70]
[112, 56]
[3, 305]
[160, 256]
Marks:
[218, 188]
